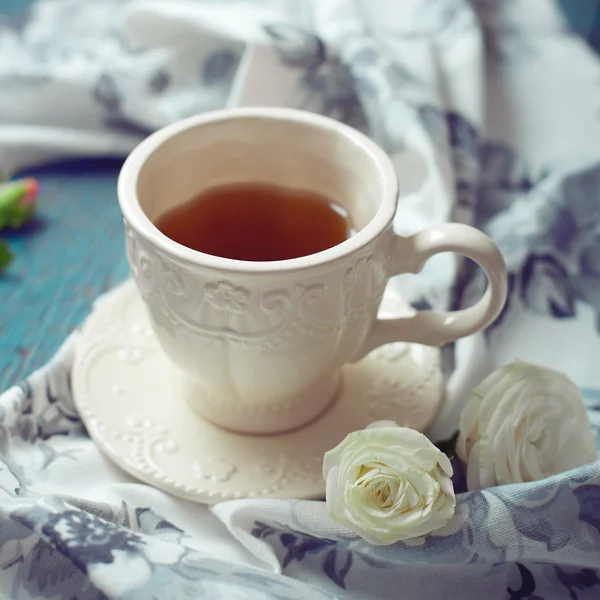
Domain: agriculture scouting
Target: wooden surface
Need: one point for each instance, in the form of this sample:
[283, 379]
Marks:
[73, 252]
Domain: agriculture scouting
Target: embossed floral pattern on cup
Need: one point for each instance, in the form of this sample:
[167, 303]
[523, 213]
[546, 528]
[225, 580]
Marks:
[225, 296]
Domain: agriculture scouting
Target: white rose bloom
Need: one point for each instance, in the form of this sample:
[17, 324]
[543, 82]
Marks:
[388, 483]
[523, 423]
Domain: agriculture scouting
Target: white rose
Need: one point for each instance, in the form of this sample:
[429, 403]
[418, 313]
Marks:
[388, 483]
[523, 423]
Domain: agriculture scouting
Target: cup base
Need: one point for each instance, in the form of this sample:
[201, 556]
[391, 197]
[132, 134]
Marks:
[234, 415]
[123, 390]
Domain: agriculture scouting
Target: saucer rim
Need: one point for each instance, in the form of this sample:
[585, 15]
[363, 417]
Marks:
[83, 357]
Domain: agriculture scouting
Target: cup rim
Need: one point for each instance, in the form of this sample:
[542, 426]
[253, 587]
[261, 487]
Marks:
[137, 219]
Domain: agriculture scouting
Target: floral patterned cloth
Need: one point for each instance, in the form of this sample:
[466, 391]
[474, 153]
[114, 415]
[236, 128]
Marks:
[490, 111]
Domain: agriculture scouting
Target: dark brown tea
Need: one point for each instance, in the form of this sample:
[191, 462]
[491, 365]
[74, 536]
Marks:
[257, 222]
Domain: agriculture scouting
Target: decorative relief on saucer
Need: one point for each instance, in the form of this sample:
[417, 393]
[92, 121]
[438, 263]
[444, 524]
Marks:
[123, 390]
[214, 468]
[392, 393]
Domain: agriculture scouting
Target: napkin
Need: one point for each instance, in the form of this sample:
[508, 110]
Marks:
[489, 111]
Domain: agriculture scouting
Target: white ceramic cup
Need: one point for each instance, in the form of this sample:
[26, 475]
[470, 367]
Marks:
[262, 344]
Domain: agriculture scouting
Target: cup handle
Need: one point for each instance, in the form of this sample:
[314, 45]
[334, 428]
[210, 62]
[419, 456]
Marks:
[436, 328]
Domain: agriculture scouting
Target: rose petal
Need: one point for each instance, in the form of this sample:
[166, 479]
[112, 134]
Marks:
[380, 424]
[523, 423]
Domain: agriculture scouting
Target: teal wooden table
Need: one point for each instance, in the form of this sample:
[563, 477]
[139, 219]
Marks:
[74, 251]
[70, 254]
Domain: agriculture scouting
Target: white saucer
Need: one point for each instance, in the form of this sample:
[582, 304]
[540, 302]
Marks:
[123, 388]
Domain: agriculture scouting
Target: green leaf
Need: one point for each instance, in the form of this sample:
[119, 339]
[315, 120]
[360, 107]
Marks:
[6, 255]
